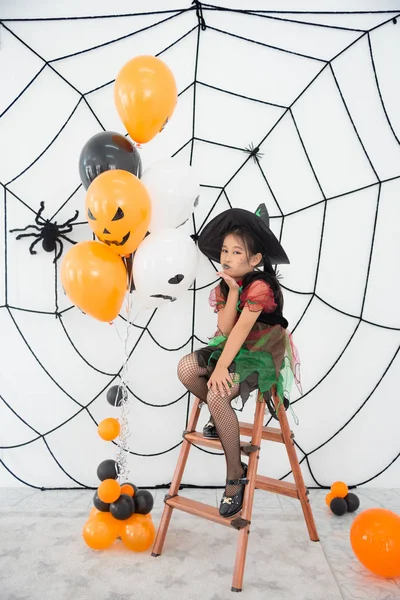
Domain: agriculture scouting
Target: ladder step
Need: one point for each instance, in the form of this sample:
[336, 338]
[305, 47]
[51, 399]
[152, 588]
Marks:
[195, 437]
[284, 488]
[273, 434]
[198, 509]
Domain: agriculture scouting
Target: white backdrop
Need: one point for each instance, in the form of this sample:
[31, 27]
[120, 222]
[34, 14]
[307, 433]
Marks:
[329, 174]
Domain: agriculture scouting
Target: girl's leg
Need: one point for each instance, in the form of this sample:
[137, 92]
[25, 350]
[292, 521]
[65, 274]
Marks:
[227, 425]
[193, 377]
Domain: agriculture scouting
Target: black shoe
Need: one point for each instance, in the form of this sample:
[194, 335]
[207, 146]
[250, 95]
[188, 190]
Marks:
[209, 430]
[271, 406]
[231, 505]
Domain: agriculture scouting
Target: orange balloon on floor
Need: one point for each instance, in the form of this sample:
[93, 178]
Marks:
[138, 533]
[94, 279]
[118, 209]
[339, 489]
[328, 499]
[108, 429]
[375, 539]
[100, 531]
[109, 490]
[145, 95]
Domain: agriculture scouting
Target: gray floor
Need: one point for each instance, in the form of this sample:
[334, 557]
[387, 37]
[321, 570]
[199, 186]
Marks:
[43, 556]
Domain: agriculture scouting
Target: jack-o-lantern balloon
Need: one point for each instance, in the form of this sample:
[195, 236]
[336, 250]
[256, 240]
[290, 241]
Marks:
[118, 209]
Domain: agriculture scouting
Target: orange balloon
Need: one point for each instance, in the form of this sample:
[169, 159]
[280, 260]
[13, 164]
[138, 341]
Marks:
[118, 208]
[339, 489]
[375, 539]
[108, 429]
[93, 512]
[94, 279]
[109, 490]
[145, 94]
[100, 531]
[128, 490]
[138, 533]
[328, 499]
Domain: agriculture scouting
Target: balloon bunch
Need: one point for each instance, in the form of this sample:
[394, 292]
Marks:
[133, 216]
[120, 509]
[340, 500]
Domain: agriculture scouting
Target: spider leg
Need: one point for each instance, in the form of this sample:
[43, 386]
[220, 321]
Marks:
[64, 237]
[25, 228]
[57, 256]
[65, 229]
[71, 220]
[25, 235]
[31, 247]
[39, 213]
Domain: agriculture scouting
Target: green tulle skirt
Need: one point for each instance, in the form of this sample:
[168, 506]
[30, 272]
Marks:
[268, 353]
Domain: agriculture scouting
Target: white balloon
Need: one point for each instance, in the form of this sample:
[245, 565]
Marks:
[174, 190]
[164, 266]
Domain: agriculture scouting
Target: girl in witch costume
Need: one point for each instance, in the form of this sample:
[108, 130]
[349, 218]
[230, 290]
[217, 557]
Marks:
[252, 348]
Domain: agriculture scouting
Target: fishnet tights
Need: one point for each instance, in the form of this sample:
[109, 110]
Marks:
[195, 378]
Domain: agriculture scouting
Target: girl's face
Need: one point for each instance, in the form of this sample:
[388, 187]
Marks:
[235, 260]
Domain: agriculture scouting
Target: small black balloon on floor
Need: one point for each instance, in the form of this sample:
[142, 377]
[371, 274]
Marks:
[144, 502]
[352, 501]
[108, 469]
[123, 508]
[338, 506]
[99, 504]
[115, 395]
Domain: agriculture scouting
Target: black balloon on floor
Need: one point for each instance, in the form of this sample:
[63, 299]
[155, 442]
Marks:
[108, 469]
[352, 501]
[338, 506]
[123, 508]
[115, 396]
[99, 504]
[144, 502]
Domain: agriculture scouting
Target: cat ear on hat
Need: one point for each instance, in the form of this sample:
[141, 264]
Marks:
[262, 212]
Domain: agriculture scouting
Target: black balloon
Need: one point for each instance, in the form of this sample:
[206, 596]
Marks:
[115, 395]
[123, 508]
[99, 504]
[352, 501]
[108, 469]
[338, 506]
[144, 502]
[105, 151]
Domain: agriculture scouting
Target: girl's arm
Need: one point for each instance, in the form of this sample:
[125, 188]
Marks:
[227, 315]
[221, 380]
[237, 336]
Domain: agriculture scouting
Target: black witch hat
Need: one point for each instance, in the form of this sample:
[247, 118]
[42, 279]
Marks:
[212, 237]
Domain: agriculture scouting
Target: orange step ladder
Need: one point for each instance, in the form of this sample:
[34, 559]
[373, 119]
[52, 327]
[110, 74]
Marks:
[242, 521]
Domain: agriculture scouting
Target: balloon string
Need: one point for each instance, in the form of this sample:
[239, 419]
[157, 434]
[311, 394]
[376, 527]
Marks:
[124, 435]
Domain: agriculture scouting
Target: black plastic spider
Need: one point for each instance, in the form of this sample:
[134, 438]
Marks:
[50, 233]
[254, 152]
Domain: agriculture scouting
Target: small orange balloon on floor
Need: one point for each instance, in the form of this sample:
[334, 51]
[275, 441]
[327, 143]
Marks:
[109, 490]
[138, 533]
[339, 489]
[108, 429]
[100, 531]
[328, 499]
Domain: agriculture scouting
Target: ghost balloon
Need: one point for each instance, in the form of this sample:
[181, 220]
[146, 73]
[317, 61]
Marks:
[164, 267]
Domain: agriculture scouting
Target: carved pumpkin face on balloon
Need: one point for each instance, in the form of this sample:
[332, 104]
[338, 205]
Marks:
[118, 209]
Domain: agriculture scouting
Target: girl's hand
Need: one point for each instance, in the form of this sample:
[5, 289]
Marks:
[220, 381]
[232, 284]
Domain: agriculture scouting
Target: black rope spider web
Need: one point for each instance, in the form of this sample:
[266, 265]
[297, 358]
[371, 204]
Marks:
[252, 151]
[50, 233]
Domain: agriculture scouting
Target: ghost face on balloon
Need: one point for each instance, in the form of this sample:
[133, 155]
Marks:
[164, 267]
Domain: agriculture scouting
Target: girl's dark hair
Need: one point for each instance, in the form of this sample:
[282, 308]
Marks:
[252, 246]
